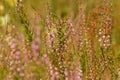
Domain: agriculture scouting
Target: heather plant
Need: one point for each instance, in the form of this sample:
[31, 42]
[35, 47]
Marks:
[63, 43]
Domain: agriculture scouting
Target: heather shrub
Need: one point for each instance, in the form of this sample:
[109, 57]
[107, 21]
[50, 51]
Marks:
[59, 40]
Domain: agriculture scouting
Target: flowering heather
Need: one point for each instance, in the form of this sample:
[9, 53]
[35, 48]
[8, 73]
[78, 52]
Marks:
[59, 40]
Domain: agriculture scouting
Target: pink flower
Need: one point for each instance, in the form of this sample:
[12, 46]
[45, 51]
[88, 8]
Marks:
[35, 47]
